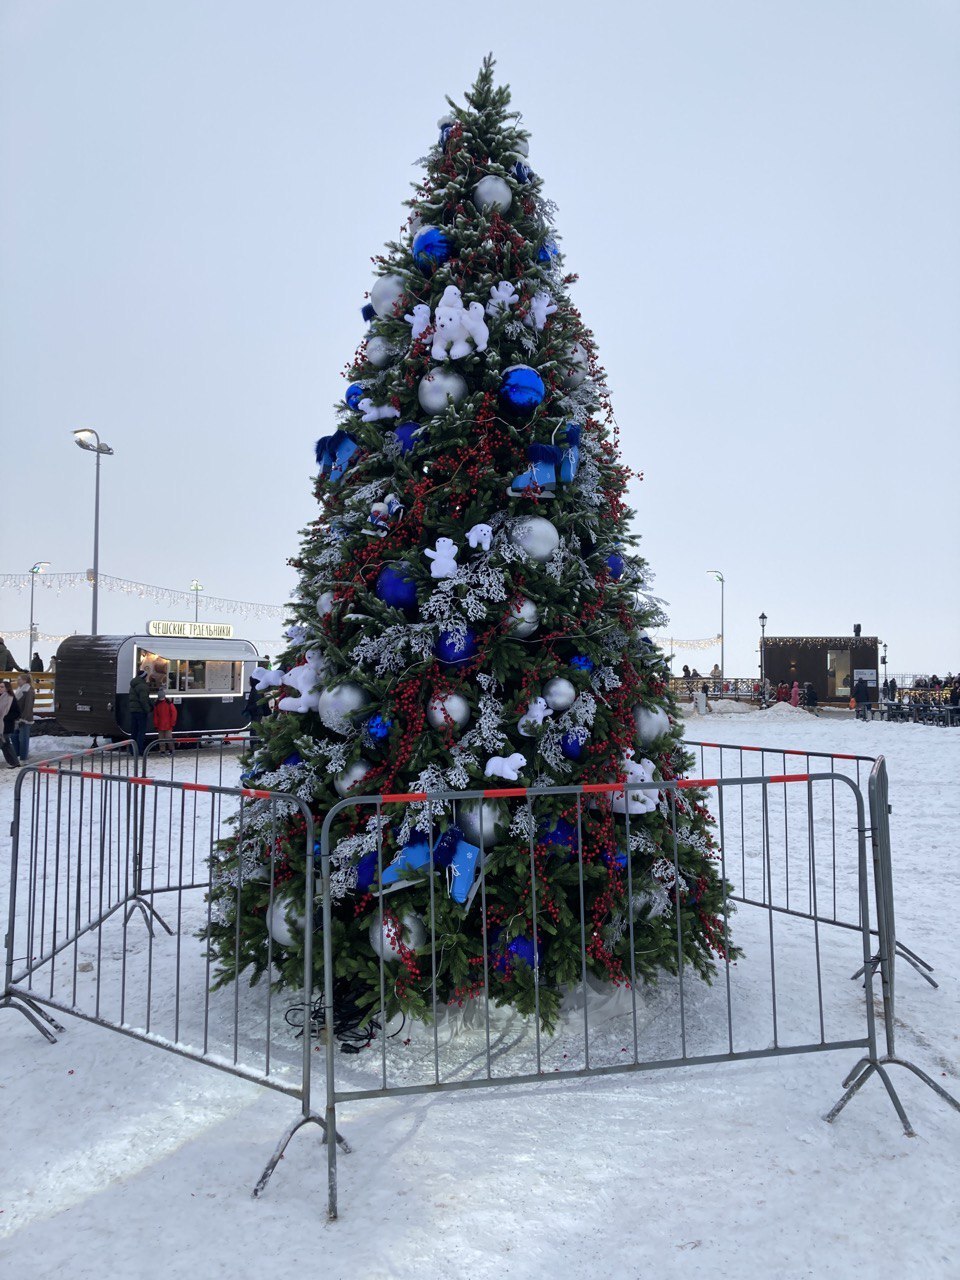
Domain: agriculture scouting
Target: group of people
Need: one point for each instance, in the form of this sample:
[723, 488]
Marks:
[16, 713]
[140, 707]
[795, 694]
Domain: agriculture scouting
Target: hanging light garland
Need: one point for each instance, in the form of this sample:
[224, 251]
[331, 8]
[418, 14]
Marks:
[709, 643]
[144, 590]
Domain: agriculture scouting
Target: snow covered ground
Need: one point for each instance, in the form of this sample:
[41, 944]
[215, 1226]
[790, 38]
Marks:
[123, 1160]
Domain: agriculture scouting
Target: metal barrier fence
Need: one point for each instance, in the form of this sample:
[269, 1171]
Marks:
[161, 758]
[92, 847]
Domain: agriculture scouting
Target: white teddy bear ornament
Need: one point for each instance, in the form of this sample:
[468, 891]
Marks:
[635, 801]
[502, 297]
[374, 412]
[443, 560]
[480, 535]
[507, 767]
[303, 678]
[535, 714]
[419, 320]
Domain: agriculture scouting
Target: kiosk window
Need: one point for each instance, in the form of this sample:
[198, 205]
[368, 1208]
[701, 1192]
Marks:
[839, 684]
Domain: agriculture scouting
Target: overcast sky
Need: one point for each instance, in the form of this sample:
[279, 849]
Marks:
[762, 201]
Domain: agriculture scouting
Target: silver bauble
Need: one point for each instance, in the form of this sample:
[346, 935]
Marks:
[492, 193]
[651, 724]
[536, 536]
[577, 368]
[457, 709]
[351, 775]
[381, 939]
[325, 603]
[524, 618]
[379, 351]
[559, 693]
[521, 148]
[439, 388]
[336, 705]
[386, 293]
[279, 920]
[415, 223]
[481, 820]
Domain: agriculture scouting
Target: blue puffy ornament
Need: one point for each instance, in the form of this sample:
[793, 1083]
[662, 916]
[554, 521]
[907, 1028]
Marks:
[396, 588]
[571, 746]
[456, 649]
[519, 951]
[368, 312]
[521, 172]
[521, 389]
[407, 435]
[354, 394]
[367, 871]
[547, 251]
[431, 248]
[581, 663]
[378, 727]
[616, 566]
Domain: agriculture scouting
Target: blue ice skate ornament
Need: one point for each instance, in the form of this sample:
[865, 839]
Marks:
[414, 856]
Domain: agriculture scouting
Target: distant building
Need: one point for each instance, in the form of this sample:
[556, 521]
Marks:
[832, 664]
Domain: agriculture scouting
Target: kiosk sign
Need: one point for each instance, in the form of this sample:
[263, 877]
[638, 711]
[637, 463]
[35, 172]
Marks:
[191, 630]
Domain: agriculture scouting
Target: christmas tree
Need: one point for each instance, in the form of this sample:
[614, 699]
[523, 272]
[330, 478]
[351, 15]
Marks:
[472, 613]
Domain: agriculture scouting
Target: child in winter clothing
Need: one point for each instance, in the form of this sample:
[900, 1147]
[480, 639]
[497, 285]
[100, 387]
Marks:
[795, 695]
[164, 719]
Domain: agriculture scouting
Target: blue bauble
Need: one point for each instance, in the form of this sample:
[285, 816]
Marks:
[571, 746]
[518, 951]
[454, 649]
[293, 758]
[547, 251]
[395, 588]
[581, 663]
[354, 394]
[614, 857]
[616, 566]
[562, 832]
[378, 727]
[367, 871]
[407, 436]
[521, 389]
[431, 248]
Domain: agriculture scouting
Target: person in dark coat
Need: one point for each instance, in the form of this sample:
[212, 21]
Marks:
[861, 696]
[9, 715]
[25, 696]
[7, 660]
[139, 707]
[810, 698]
[36, 662]
[255, 708]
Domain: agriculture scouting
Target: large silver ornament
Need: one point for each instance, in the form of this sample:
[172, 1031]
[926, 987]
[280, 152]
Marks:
[524, 618]
[279, 919]
[439, 388]
[386, 293]
[577, 368]
[457, 709]
[351, 775]
[383, 942]
[336, 705]
[559, 693]
[536, 536]
[492, 192]
[651, 724]
[481, 820]
[379, 352]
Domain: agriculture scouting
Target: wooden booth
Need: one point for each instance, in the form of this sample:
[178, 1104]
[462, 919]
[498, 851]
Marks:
[832, 664]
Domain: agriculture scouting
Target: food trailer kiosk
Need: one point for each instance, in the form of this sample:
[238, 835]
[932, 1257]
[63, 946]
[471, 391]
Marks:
[206, 679]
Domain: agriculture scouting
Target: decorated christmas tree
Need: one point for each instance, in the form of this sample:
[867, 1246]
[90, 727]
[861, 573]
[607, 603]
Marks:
[471, 614]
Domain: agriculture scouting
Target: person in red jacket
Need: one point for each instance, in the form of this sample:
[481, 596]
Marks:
[164, 718]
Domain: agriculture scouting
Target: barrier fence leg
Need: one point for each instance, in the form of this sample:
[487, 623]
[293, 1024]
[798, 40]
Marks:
[138, 902]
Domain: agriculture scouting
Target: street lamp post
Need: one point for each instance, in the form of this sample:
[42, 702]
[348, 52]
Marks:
[196, 587]
[40, 567]
[719, 577]
[763, 663]
[90, 440]
[883, 663]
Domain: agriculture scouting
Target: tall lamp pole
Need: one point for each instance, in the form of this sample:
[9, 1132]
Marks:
[90, 440]
[196, 587]
[719, 577]
[40, 567]
[763, 663]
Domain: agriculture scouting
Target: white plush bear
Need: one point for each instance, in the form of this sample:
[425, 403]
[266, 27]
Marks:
[419, 320]
[296, 634]
[502, 297]
[450, 339]
[541, 306]
[507, 767]
[480, 535]
[266, 679]
[443, 561]
[535, 714]
[635, 801]
[374, 412]
[304, 679]
[475, 325]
